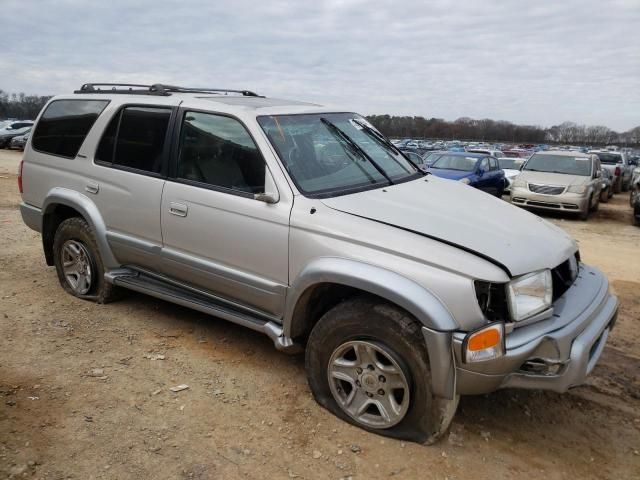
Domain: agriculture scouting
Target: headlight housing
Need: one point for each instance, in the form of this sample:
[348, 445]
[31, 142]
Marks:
[519, 183]
[529, 294]
[465, 180]
[577, 188]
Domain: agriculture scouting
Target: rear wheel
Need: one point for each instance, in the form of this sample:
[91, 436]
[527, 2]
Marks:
[604, 195]
[367, 363]
[78, 263]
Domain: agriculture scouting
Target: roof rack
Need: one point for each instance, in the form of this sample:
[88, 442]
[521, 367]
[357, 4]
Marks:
[155, 89]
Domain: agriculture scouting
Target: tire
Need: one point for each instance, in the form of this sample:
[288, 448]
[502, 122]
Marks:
[604, 196]
[596, 205]
[617, 187]
[584, 216]
[626, 186]
[394, 339]
[74, 240]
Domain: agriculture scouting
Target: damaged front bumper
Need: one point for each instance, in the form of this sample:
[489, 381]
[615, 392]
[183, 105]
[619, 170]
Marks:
[553, 354]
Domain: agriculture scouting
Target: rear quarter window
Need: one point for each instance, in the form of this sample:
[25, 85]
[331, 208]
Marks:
[64, 125]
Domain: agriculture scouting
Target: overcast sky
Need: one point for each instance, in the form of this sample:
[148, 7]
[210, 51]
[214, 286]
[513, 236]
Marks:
[535, 62]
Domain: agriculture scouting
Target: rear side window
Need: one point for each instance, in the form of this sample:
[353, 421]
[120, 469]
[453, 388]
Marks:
[135, 138]
[64, 125]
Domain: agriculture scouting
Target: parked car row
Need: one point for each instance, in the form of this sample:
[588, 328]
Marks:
[562, 180]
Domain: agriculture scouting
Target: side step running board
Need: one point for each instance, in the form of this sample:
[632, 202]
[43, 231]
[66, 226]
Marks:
[157, 287]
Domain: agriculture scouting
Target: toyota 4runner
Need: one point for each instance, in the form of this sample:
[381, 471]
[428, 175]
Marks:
[306, 224]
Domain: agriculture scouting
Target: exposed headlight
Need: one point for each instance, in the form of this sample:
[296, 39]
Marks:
[529, 294]
[465, 180]
[519, 183]
[577, 188]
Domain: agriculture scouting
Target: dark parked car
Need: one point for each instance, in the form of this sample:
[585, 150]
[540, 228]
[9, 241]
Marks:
[18, 143]
[13, 130]
[634, 196]
[607, 186]
[474, 169]
[430, 157]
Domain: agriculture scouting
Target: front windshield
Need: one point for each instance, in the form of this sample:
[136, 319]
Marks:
[610, 158]
[510, 163]
[456, 162]
[335, 153]
[544, 162]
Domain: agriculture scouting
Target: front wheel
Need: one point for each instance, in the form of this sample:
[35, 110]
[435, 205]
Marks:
[367, 363]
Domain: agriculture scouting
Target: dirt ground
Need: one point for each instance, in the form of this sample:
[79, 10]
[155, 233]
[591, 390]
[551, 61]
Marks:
[84, 389]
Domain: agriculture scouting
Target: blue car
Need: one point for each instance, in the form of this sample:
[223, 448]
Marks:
[475, 169]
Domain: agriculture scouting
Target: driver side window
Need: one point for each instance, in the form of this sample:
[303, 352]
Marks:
[484, 165]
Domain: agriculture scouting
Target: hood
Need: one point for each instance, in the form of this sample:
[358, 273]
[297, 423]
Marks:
[547, 178]
[450, 174]
[462, 216]
[510, 173]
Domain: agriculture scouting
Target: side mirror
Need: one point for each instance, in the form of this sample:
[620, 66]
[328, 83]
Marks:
[267, 197]
[598, 174]
[270, 194]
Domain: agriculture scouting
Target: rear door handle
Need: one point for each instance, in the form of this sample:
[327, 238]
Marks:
[92, 187]
[179, 209]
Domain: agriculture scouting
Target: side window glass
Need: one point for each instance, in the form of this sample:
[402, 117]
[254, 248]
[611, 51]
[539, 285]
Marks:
[484, 164]
[218, 151]
[140, 138]
[64, 125]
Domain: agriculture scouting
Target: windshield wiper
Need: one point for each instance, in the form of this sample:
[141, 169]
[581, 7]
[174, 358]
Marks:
[377, 136]
[355, 147]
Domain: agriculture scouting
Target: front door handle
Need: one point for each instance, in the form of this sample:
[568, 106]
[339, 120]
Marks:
[92, 187]
[179, 209]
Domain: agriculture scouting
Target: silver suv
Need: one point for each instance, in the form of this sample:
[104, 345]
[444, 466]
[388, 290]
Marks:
[306, 224]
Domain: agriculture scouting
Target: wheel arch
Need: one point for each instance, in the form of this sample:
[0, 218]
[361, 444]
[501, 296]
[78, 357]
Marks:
[61, 204]
[327, 281]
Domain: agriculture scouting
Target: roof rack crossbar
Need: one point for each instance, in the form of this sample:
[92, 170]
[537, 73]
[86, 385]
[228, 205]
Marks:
[173, 88]
[155, 89]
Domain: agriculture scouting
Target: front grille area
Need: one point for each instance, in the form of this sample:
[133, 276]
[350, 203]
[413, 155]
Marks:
[546, 189]
[563, 276]
[533, 203]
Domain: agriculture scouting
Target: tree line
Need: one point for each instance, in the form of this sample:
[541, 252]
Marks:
[27, 107]
[501, 131]
[21, 106]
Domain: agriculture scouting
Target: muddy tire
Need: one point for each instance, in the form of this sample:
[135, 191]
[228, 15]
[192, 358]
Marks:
[367, 363]
[78, 263]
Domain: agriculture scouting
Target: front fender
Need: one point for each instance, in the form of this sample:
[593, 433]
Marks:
[88, 209]
[395, 288]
